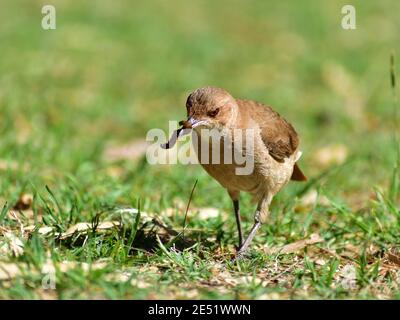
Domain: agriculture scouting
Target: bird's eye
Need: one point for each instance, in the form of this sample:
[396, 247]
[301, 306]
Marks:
[213, 113]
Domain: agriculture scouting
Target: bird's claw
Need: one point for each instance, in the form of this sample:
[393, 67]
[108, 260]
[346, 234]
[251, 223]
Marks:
[240, 254]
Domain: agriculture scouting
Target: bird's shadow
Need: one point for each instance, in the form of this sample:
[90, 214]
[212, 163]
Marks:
[151, 233]
[148, 237]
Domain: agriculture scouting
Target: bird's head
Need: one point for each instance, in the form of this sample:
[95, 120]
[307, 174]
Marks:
[210, 108]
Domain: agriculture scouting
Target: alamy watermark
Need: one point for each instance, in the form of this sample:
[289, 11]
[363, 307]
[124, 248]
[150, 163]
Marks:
[348, 21]
[349, 17]
[49, 18]
[49, 276]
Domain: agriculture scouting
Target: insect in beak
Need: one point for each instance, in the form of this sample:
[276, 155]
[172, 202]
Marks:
[186, 125]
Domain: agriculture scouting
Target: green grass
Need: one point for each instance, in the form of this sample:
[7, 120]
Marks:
[113, 70]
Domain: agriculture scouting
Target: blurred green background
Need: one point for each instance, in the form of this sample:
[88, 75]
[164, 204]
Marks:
[112, 70]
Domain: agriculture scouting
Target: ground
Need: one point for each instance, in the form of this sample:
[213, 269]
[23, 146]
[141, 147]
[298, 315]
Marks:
[84, 215]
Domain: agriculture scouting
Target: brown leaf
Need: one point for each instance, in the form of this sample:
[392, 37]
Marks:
[12, 245]
[295, 246]
[42, 230]
[320, 262]
[84, 227]
[394, 257]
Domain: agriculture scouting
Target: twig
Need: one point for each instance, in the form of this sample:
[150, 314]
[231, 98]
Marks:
[187, 209]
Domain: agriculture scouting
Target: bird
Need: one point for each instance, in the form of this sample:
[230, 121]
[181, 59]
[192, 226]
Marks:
[275, 150]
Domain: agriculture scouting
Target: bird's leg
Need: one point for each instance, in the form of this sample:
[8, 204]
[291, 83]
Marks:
[243, 248]
[259, 218]
[235, 199]
[238, 223]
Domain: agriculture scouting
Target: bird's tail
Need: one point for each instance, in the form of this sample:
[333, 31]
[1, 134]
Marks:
[297, 174]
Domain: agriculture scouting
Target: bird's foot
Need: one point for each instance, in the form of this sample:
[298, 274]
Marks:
[239, 246]
[243, 249]
[241, 252]
[240, 255]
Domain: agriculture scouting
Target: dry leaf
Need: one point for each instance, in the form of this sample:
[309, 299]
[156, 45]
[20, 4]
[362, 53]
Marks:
[16, 217]
[83, 227]
[12, 245]
[295, 246]
[3, 230]
[42, 230]
[333, 154]
[127, 214]
[394, 257]
[320, 262]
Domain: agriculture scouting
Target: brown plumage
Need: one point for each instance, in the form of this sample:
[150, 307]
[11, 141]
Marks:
[297, 174]
[274, 155]
[278, 135]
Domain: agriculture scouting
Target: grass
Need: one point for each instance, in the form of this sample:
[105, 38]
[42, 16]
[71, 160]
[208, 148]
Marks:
[112, 71]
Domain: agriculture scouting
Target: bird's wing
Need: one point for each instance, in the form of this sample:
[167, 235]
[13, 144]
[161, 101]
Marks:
[278, 135]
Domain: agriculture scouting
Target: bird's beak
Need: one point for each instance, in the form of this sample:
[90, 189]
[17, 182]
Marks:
[192, 123]
[186, 125]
